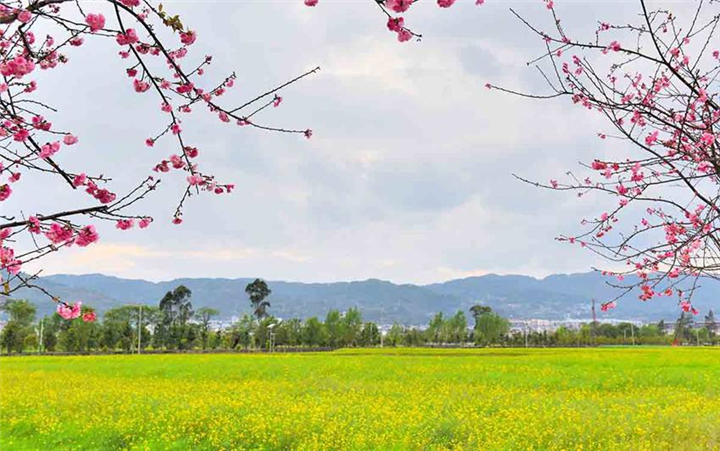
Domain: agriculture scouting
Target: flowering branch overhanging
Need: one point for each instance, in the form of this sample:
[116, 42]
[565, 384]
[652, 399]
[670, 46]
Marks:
[29, 143]
[656, 83]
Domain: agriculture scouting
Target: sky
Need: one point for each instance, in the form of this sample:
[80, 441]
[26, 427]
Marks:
[408, 176]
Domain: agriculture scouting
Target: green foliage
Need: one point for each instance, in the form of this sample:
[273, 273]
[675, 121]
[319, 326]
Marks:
[490, 328]
[257, 291]
[203, 315]
[173, 330]
[169, 327]
[315, 333]
[79, 336]
[710, 324]
[18, 330]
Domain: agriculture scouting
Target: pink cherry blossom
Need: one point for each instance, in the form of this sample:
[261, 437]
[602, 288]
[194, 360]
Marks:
[395, 24]
[59, 234]
[69, 311]
[89, 317]
[21, 135]
[5, 233]
[188, 38]
[34, 225]
[24, 16]
[86, 236]
[95, 21]
[399, 6]
[49, 149]
[614, 46]
[5, 192]
[311, 2]
[69, 140]
[651, 138]
[127, 38]
[124, 224]
[79, 180]
[18, 66]
[140, 86]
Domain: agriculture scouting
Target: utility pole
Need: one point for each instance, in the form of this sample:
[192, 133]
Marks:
[139, 327]
[40, 343]
[526, 335]
[594, 323]
[382, 318]
[632, 332]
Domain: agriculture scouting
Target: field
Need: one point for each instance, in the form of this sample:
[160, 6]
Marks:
[598, 399]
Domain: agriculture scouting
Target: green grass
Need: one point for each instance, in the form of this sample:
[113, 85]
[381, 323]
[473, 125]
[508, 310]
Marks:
[501, 399]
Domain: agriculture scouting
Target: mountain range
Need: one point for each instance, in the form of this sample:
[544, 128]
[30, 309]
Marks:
[560, 296]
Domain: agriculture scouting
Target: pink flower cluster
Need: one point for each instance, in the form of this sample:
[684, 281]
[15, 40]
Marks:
[397, 24]
[96, 22]
[17, 67]
[68, 312]
[128, 38]
[8, 261]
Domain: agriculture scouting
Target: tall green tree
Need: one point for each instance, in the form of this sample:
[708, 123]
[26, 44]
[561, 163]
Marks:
[258, 291]
[477, 311]
[79, 336]
[176, 305]
[173, 330]
[117, 328]
[490, 327]
[334, 328]
[314, 333]
[265, 330]
[395, 335]
[19, 327]
[289, 332]
[455, 328]
[370, 335]
[50, 329]
[204, 315]
[683, 327]
[352, 324]
[710, 324]
[242, 332]
[434, 330]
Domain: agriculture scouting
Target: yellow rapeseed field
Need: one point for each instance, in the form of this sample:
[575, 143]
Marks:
[383, 399]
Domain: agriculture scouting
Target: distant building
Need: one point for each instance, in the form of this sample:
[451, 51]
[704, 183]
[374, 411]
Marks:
[551, 325]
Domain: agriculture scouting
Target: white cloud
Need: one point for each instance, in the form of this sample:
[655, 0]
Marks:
[408, 177]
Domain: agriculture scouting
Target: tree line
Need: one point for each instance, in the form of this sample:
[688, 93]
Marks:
[174, 324]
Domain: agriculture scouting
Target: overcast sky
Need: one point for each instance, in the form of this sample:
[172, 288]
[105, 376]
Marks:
[407, 178]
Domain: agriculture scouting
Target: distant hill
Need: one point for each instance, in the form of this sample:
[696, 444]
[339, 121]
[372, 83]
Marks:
[553, 297]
